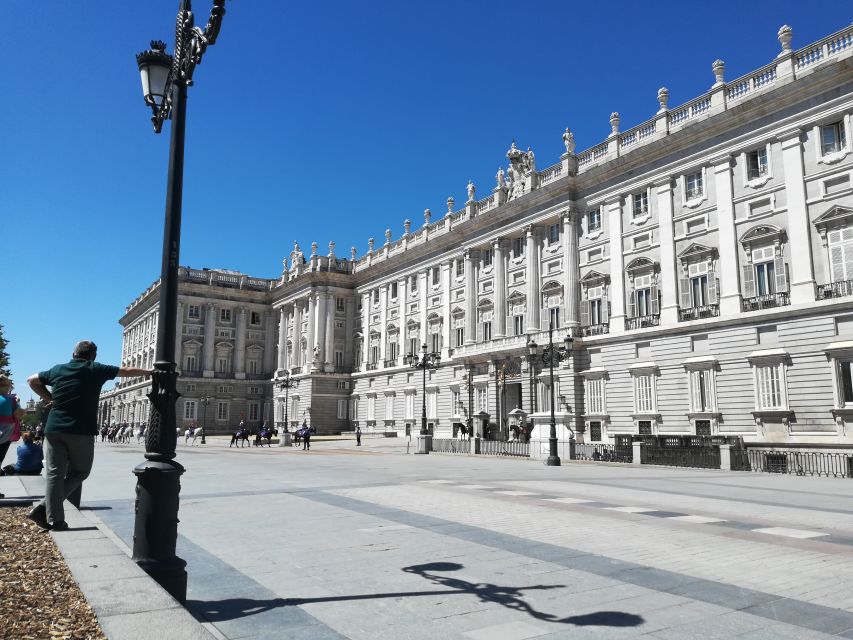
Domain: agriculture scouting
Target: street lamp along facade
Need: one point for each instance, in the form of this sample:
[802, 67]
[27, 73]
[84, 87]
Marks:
[550, 355]
[204, 400]
[286, 382]
[426, 361]
[158, 477]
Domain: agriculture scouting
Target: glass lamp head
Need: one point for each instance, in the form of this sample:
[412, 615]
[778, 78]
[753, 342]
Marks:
[154, 67]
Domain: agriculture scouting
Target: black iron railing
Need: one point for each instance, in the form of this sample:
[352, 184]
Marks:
[595, 329]
[450, 445]
[835, 289]
[602, 453]
[695, 457]
[767, 301]
[497, 448]
[801, 463]
[697, 313]
[641, 322]
[371, 366]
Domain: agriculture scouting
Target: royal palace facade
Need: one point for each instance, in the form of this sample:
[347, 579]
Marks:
[701, 262]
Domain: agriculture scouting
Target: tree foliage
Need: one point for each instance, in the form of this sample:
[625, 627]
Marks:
[4, 355]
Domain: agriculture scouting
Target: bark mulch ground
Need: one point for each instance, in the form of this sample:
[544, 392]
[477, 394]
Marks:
[39, 599]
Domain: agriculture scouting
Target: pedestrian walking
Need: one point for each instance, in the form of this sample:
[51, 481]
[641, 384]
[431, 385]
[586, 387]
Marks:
[10, 416]
[306, 437]
[72, 424]
[358, 436]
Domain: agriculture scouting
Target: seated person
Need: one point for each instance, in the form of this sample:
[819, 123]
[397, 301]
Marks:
[30, 458]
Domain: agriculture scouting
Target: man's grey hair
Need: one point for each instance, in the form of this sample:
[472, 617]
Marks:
[85, 349]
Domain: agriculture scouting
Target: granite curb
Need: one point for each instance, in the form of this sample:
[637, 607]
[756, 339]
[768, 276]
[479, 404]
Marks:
[129, 604]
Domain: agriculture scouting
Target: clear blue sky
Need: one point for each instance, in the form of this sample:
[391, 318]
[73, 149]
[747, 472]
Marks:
[310, 121]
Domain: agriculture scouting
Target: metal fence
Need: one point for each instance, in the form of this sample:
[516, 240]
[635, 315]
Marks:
[696, 457]
[496, 448]
[450, 445]
[603, 453]
[801, 463]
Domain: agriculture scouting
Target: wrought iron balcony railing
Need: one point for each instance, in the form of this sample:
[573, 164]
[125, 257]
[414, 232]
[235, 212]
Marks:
[595, 329]
[697, 313]
[641, 322]
[767, 301]
[835, 289]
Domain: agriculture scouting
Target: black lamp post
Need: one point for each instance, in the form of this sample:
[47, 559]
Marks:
[204, 400]
[550, 355]
[285, 382]
[426, 361]
[533, 351]
[164, 85]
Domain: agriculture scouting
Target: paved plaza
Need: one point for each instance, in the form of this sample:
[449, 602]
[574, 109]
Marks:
[367, 542]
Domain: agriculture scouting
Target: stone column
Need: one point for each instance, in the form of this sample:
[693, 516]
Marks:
[330, 330]
[320, 326]
[209, 334]
[668, 267]
[383, 323]
[269, 343]
[471, 257]
[446, 271]
[499, 268]
[309, 333]
[730, 296]
[179, 334]
[282, 341]
[532, 255]
[240, 345]
[349, 329]
[800, 257]
[617, 266]
[571, 269]
[297, 334]
[422, 277]
[365, 330]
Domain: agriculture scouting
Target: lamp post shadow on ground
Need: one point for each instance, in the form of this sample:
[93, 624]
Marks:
[165, 80]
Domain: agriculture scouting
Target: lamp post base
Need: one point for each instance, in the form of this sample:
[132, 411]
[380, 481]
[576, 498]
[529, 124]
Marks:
[553, 461]
[156, 529]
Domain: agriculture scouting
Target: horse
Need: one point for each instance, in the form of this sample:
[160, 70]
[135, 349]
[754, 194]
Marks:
[140, 434]
[191, 434]
[241, 437]
[265, 433]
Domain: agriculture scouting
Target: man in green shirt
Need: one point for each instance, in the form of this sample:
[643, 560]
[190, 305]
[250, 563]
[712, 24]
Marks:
[72, 424]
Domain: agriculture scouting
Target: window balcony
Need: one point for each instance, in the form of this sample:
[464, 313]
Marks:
[595, 329]
[767, 301]
[641, 322]
[698, 313]
[390, 363]
[835, 289]
[371, 366]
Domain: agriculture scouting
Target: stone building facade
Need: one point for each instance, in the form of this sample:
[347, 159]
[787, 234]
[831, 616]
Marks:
[701, 261]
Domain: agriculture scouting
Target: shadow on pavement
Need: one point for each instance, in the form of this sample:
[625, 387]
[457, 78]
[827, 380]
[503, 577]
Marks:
[509, 597]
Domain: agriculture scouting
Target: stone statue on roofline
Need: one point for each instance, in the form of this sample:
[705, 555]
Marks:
[499, 177]
[471, 191]
[569, 141]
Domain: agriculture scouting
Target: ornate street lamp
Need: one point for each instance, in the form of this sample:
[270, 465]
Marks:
[532, 351]
[204, 400]
[285, 382]
[550, 355]
[164, 86]
[426, 361]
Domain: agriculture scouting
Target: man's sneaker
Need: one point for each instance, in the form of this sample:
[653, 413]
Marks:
[39, 515]
[59, 526]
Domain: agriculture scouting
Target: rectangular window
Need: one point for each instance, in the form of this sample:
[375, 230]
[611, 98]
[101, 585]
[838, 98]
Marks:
[413, 283]
[846, 371]
[518, 325]
[553, 234]
[339, 359]
[410, 406]
[593, 220]
[389, 407]
[460, 267]
[595, 396]
[518, 247]
[482, 399]
[392, 350]
[643, 302]
[832, 138]
[487, 331]
[222, 410]
[436, 342]
[191, 363]
[701, 395]
[554, 316]
[340, 302]
[393, 293]
[488, 255]
[189, 410]
[432, 403]
[769, 380]
[765, 278]
[756, 164]
[640, 204]
[595, 431]
[460, 336]
[190, 387]
[840, 246]
[455, 402]
[699, 289]
[693, 186]
[645, 427]
[254, 390]
[595, 316]
[255, 318]
[374, 354]
[342, 409]
[375, 297]
[254, 411]
[413, 346]
[436, 276]
[225, 315]
[371, 407]
[254, 366]
[224, 365]
[644, 394]
[194, 312]
[703, 427]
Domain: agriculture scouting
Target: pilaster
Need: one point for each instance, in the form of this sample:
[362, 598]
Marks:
[617, 265]
[240, 345]
[383, 323]
[499, 267]
[471, 258]
[532, 276]
[446, 276]
[571, 269]
[269, 342]
[209, 333]
[730, 297]
[282, 341]
[320, 328]
[309, 334]
[799, 233]
[668, 268]
[329, 319]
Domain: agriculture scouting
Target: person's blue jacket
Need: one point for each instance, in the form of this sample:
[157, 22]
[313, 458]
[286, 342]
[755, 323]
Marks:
[30, 458]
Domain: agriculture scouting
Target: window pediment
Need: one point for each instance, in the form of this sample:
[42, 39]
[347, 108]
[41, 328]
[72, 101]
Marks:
[552, 287]
[762, 233]
[833, 217]
[697, 252]
[593, 278]
[484, 304]
[641, 264]
[516, 297]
